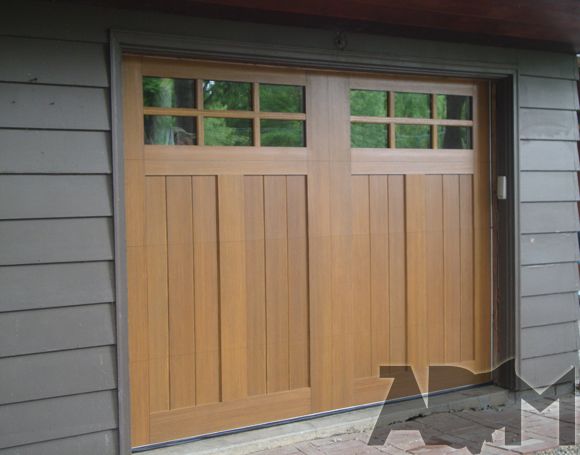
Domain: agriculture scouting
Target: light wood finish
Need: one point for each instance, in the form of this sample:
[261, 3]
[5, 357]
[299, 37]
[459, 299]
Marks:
[267, 283]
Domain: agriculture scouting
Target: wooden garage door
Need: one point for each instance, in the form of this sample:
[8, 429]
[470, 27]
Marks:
[290, 231]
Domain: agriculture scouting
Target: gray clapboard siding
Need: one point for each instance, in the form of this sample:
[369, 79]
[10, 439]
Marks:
[544, 371]
[538, 217]
[549, 309]
[101, 443]
[45, 151]
[25, 423]
[547, 64]
[548, 186]
[55, 285]
[54, 107]
[549, 248]
[63, 373]
[60, 240]
[29, 332]
[53, 62]
[549, 279]
[55, 196]
[541, 92]
[549, 339]
[548, 156]
[548, 124]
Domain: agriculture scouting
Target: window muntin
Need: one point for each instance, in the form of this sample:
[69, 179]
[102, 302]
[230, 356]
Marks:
[208, 112]
[387, 119]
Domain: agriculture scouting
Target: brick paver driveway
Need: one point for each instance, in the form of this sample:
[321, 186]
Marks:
[459, 432]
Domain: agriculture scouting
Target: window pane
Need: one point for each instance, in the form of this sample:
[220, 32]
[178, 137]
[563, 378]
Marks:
[369, 135]
[454, 107]
[454, 137]
[282, 133]
[412, 105]
[223, 95]
[281, 98]
[227, 131]
[413, 136]
[167, 92]
[368, 102]
[170, 130]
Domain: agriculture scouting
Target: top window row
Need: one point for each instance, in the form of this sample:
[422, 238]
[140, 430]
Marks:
[221, 95]
[376, 103]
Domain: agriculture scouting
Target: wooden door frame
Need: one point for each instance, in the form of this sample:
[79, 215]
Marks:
[122, 42]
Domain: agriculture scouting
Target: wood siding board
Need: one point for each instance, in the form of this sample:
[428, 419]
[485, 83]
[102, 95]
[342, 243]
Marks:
[100, 443]
[546, 217]
[549, 186]
[35, 421]
[549, 279]
[54, 152]
[54, 107]
[63, 373]
[548, 155]
[78, 284]
[54, 62]
[548, 124]
[206, 287]
[549, 309]
[58, 240]
[545, 371]
[547, 64]
[549, 339]
[546, 93]
[55, 196]
[548, 248]
[56, 329]
[256, 283]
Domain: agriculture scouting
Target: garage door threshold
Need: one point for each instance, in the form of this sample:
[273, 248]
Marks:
[353, 420]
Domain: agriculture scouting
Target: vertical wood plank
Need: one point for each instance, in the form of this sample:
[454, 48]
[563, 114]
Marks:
[435, 267]
[157, 293]
[467, 326]
[276, 231]
[417, 307]
[298, 320]
[318, 188]
[256, 283]
[452, 266]
[206, 289]
[181, 297]
[397, 271]
[361, 275]
[341, 234]
[379, 228]
[233, 307]
[136, 255]
[482, 229]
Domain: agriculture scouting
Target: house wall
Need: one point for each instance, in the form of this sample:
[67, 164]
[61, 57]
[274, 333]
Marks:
[58, 331]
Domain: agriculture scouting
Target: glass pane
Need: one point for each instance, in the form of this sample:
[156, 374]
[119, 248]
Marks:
[454, 107]
[227, 131]
[413, 105]
[223, 95]
[170, 130]
[167, 92]
[454, 137]
[368, 102]
[371, 135]
[281, 98]
[413, 136]
[282, 133]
